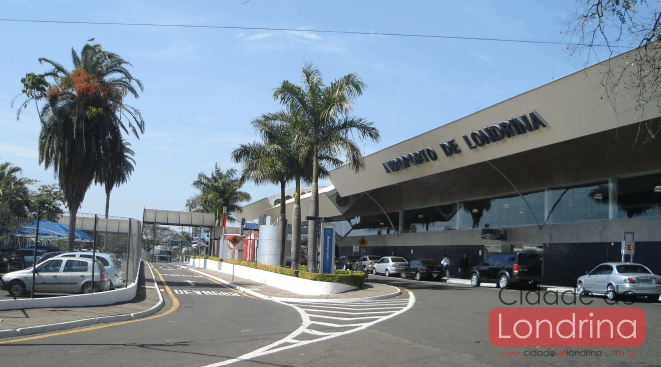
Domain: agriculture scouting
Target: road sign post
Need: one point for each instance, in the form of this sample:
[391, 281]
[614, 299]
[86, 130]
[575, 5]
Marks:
[628, 246]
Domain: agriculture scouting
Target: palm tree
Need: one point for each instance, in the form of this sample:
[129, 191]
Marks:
[84, 109]
[14, 193]
[299, 163]
[116, 166]
[269, 161]
[327, 130]
[221, 189]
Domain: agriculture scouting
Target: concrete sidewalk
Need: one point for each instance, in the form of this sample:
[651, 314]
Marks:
[371, 291]
[40, 320]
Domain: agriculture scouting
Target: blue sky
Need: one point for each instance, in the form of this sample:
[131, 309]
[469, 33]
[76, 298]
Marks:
[204, 86]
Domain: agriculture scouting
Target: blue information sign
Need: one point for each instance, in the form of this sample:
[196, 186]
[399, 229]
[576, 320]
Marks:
[327, 248]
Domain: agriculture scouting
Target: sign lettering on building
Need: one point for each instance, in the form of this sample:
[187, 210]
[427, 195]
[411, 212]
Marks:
[475, 140]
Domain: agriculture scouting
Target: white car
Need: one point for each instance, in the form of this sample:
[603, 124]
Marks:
[390, 265]
[109, 261]
[57, 275]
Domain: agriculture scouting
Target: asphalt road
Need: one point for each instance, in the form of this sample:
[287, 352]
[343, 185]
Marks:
[210, 323]
[447, 325]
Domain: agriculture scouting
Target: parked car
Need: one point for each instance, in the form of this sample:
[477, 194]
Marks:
[23, 258]
[109, 261]
[345, 262]
[389, 265]
[49, 255]
[366, 263]
[508, 269]
[304, 259]
[58, 275]
[422, 269]
[616, 279]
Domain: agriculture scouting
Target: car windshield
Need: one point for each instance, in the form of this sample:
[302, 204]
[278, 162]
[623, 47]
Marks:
[632, 269]
[398, 260]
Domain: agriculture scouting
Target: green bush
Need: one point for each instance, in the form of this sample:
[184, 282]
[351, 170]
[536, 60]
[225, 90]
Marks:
[349, 277]
[353, 278]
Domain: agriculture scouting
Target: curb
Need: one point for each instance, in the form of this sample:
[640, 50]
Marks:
[10, 333]
[310, 300]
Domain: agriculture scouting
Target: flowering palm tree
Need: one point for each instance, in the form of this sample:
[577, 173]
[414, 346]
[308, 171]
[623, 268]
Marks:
[83, 111]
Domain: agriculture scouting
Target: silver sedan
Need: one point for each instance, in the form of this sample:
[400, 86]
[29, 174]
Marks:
[390, 265]
[620, 279]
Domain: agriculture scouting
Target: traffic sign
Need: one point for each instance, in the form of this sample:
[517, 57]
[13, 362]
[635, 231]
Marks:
[362, 241]
[235, 240]
[628, 247]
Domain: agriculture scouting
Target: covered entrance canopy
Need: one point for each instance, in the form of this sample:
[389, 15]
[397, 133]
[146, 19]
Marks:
[50, 231]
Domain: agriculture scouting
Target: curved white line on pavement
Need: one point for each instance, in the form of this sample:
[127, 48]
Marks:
[277, 346]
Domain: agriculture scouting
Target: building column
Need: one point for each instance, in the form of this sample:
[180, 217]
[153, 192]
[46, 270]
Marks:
[548, 204]
[401, 222]
[612, 198]
[460, 207]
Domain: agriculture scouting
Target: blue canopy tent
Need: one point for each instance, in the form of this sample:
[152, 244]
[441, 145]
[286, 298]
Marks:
[50, 231]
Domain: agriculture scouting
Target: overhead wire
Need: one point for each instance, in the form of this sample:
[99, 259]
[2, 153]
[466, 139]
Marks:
[243, 28]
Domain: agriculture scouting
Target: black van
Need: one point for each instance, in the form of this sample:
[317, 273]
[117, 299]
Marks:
[524, 268]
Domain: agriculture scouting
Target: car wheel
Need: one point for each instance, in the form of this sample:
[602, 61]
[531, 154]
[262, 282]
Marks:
[503, 281]
[418, 276]
[580, 289]
[86, 288]
[654, 298]
[475, 280]
[387, 272]
[373, 271]
[17, 288]
[402, 275]
[610, 293]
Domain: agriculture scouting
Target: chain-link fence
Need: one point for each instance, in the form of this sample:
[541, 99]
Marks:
[106, 254]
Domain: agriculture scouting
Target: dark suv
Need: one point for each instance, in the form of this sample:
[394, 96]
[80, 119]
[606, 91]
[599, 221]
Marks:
[508, 269]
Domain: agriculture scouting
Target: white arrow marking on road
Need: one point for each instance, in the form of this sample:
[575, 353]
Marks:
[307, 313]
[191, 283]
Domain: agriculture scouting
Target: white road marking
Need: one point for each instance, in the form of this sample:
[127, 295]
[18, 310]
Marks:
[191, 282]
[205, 293]
[357, 309]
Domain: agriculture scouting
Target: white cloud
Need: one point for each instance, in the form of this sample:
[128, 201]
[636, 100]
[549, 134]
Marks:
[19, 151]
[260, 36]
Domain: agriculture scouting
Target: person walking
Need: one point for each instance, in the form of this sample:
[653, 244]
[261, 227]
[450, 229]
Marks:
[446, 265]
[463, 267]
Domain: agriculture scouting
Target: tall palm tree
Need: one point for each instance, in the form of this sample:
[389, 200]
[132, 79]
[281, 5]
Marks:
[299, 163]
[116, 166]
[221, 189]
[268, 162]
[328, 128]
[84, 109]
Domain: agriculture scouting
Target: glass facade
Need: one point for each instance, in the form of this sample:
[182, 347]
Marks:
[637, 197]
[503, 212]
[433, 219]
[578, 204]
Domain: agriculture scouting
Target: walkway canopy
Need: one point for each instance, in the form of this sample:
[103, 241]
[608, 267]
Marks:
[50, 231]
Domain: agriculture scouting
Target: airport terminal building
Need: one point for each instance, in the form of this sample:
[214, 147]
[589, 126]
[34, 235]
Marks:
[562, 170]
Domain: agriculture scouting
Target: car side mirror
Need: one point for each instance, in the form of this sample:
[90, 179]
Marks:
[588, 272]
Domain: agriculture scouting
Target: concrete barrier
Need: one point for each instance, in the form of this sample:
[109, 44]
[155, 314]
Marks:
[300, 286]
[79, 300]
